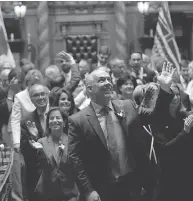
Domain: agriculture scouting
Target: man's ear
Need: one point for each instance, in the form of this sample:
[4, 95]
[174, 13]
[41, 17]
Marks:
[89, 88]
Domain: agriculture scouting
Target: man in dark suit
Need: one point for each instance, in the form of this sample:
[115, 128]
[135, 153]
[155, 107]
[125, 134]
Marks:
[103, 58]
[39, 97]
[106, 144]
[141, 73]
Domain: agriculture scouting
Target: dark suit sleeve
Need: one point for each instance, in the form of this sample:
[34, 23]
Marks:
[75, 78]
[74, 149]
[177, 141]
[4, 112]
[161, 110]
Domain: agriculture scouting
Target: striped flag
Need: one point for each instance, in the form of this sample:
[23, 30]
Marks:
[5, 51]
[164, 41]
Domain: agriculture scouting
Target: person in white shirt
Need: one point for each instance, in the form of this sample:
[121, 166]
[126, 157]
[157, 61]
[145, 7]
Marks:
[70, 71]
[23, 105]
[184, 74]
[80, 97]
[66, 61]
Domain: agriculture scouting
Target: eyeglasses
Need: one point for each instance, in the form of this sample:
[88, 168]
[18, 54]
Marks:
[38, 95]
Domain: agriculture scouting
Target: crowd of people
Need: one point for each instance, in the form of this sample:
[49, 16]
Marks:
[110, 131]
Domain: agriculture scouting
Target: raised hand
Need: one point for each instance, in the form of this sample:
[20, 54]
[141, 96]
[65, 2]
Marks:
[165, 79]
[149, 97]
[72, 61]
[32, 129]
[35, 145]
[70, 57]
[188, 123]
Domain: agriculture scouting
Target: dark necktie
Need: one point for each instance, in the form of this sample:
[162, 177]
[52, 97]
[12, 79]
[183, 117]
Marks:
[112, 143]
[42, 121]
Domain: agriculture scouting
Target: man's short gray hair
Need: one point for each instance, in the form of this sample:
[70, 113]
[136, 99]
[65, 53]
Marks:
[51, 70]
[36, 85]
[90, 77]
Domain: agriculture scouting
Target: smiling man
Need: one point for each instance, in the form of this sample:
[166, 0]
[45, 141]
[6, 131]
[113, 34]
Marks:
[100, 143]
[39, 97]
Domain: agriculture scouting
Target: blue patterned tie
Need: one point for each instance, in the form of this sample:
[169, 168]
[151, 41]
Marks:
[112, 143]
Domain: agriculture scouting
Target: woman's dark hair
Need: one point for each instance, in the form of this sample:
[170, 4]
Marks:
[64, 117]
[54, 97]
[17, 73]
[57, 82]
[123, 79]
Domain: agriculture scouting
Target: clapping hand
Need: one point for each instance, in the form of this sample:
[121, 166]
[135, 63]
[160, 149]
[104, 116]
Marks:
[148, 97]
[32, 129]
[36, 145]
[165, 79]
[188, 123]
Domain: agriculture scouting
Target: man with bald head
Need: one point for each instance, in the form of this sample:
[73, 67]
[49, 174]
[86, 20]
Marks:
[102, 143]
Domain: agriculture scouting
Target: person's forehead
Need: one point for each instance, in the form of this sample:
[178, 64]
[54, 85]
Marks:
[136, 56]
[38, 89]
[83, 63]
[100, 74]
[55, 113]
[64, 94]
[104, 55]
[120, 63]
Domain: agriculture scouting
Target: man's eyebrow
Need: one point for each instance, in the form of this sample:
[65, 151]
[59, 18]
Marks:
[103, 77]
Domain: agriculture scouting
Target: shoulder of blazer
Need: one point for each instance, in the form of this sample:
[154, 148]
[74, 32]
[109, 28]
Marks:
[80, 116]
[22, 94]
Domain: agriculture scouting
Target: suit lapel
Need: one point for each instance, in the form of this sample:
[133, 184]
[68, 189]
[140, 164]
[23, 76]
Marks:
[120, 113]
[93, 120]
[51, 151]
